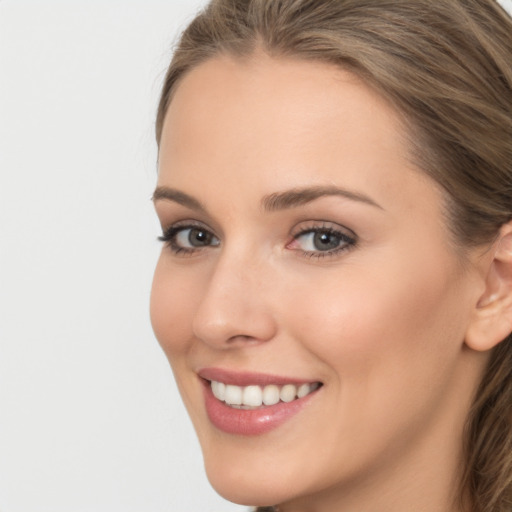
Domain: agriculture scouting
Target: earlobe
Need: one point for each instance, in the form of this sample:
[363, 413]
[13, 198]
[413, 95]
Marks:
[492, 318]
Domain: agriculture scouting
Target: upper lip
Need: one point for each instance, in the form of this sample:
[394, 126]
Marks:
[237, 378]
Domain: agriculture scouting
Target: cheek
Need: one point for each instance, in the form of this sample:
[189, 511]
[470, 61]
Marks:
[380, 331]
[388, 350]
[174, 299]
[173, 302]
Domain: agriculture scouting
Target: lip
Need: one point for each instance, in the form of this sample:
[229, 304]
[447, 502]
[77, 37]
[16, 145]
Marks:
[249, 422]
[248, 378]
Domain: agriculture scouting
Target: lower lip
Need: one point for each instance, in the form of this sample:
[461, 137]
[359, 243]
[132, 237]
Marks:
[250, 422]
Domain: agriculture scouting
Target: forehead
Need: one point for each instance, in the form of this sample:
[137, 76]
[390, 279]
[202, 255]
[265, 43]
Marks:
[259, 91]
[274, 123]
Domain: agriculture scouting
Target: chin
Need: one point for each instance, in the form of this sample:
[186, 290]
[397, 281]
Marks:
[247, 485]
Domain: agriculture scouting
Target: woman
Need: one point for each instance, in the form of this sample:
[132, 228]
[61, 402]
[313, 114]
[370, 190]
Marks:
[335, 290]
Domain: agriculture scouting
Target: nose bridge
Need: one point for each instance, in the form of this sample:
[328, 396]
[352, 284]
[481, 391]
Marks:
[234, 305]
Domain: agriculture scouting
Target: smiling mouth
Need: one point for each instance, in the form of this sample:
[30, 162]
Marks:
[256, 397]
[248, 403]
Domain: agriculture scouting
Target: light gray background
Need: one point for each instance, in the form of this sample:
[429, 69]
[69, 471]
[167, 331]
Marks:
[90, 420]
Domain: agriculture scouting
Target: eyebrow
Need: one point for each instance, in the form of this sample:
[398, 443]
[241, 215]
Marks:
[179, 197]
[273, 202]
[300, 196]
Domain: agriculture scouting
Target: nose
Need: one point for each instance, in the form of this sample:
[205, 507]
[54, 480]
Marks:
[235, 309]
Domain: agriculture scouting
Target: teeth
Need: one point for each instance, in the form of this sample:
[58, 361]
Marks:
[219, 390]
[270, 395]
[255, 396]
[233, 395]
[303, 390]
[288, 393]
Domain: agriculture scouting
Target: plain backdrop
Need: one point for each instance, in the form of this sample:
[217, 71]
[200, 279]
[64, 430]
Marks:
[90, 420]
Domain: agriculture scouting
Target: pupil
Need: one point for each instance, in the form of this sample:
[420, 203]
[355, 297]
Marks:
[326, 241]
[198, 237]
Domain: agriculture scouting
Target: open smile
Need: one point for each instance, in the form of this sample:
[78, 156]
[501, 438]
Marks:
[254, 396]
[252, 404]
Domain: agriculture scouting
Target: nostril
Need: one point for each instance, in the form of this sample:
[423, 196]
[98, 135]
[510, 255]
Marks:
[243, 338]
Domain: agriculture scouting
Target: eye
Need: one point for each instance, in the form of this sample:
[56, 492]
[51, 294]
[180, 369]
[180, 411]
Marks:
[189, 238]
[193, 237]
[320, 241]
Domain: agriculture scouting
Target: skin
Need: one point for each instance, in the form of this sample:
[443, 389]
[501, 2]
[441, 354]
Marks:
[382, 324]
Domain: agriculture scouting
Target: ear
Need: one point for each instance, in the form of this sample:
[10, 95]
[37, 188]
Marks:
[492, 317]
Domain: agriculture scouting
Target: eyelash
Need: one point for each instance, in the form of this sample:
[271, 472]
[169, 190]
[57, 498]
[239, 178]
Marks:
[169, 237]
[346, 241]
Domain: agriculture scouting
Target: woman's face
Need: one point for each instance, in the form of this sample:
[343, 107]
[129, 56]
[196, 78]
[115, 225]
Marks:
[306, 255]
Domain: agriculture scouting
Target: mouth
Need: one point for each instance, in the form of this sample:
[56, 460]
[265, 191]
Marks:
[253, 404]
[256, 397]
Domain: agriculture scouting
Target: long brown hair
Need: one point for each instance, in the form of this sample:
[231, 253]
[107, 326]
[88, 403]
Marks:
[446, 66]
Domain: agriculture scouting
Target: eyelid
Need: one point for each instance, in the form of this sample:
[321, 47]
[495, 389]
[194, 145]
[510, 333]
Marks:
[178, 225]
[347, 237]
[170, 233]
[170, 213]
[319, 225]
